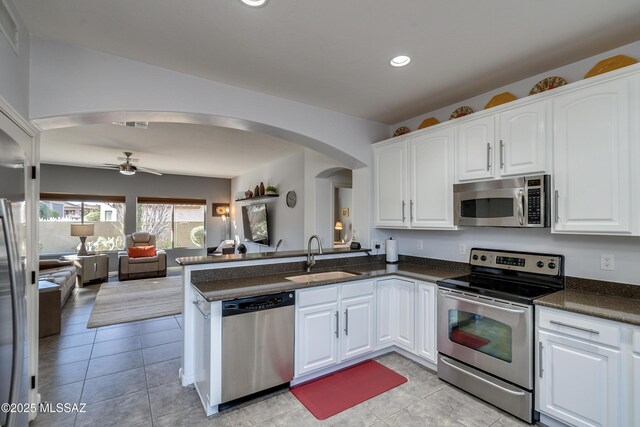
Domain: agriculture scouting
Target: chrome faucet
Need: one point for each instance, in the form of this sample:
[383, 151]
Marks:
[311, 261]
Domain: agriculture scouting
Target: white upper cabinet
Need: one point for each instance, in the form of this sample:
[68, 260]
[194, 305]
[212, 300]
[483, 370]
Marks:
[390, 185]
[475, 149]
[592, 157]
[431, 160]
[413, 181]
[523, 140]
[518, 149]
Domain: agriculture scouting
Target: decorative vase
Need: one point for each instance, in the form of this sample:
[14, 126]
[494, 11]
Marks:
[248, 194]
[256, 191]
[261, 188]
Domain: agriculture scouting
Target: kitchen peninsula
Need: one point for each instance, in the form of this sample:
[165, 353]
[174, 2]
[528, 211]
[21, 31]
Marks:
[378, 308]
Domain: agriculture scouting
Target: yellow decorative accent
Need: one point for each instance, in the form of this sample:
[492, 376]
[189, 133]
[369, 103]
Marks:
[501, 98]
[428, 122]
[610, 64]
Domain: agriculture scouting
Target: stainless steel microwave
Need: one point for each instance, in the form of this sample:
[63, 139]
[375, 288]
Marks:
[512, 202]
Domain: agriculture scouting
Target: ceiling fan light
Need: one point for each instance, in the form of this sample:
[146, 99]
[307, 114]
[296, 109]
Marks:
[127, 169]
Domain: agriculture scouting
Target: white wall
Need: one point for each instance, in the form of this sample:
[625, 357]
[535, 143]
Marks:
[14, 69]
[69, 80]
[284, 223]
[582, 252]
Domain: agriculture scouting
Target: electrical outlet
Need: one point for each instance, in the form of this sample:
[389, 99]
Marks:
[419, 245]
[462, 249]
[607, 262]
[376, 244]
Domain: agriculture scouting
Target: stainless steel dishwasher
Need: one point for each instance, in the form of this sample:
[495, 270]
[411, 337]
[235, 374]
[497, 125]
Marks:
[257, 344]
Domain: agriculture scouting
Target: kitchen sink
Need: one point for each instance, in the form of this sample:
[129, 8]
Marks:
[319, 277]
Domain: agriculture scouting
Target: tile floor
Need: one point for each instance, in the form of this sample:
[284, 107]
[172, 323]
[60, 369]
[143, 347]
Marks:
[127, 374]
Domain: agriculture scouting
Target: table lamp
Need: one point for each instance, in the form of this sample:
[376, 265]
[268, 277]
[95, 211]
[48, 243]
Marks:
[82, 231]
[339, 228]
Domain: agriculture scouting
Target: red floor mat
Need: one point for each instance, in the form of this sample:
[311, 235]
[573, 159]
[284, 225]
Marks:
[336, 392]
[470, 340]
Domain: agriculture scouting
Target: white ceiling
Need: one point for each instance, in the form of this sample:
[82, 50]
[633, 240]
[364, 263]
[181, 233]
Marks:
[172, 148]
[335, 53]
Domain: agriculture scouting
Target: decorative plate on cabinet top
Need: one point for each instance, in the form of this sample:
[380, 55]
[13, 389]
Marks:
[428, 122]
[460, 112]
[610, 64]
[499, 99]
[547, 84]
[401, 131]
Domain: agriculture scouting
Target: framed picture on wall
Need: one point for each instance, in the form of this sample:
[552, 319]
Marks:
[345, 212]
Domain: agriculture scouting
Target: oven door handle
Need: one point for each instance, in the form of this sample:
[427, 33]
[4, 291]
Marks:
[478, 302]
[506, 390]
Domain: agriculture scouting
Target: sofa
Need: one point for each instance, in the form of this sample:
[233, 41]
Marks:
[62, 273]
[141, 267]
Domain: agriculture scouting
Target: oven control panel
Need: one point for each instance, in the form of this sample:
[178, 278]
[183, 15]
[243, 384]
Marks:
[527, 262]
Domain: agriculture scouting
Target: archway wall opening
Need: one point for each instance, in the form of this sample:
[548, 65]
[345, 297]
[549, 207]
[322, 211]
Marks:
[70, 85]
[74, 86]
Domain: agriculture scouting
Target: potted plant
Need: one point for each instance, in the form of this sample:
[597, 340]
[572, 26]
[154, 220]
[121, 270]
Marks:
[271, 190]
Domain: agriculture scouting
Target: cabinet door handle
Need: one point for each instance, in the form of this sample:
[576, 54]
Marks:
[205, 315]
[488, 156]
[337, 333]
[566, 325]
[501, 154]
[346, 322]
[557, 206]
[403, 216]
[540, 348]
[411, 210]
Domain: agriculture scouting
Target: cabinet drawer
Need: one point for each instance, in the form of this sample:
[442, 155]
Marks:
[580, 326]
[357, 289]
[320, 295]
[636, 342]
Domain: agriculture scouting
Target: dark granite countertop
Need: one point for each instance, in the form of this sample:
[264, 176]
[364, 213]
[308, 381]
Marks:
[226, 289]
[606, 306]
[193, 260]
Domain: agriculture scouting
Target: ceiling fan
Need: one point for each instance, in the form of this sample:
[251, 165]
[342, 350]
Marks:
[128, 168]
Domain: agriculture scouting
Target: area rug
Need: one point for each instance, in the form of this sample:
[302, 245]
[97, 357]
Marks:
[120, 302]
[334, 393]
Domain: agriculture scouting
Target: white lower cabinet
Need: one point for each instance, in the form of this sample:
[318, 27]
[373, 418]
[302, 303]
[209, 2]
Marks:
[426, 326]
[406, 315]
[336, 323]
[396, 322]
[333, 323]
[580, 370]
[316, 337]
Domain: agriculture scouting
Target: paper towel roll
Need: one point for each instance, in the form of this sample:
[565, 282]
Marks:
[392, 251]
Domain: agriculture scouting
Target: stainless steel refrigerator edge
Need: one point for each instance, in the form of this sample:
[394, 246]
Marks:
[13, 311]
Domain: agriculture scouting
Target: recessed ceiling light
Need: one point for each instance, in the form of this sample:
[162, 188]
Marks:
[254, 3]
[400, 61]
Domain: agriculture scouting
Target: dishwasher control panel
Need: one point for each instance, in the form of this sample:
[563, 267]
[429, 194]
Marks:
[252, 304]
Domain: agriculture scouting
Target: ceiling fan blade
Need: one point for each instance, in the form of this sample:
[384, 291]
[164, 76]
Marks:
[130, 159]
[148, 170]
[111, 165]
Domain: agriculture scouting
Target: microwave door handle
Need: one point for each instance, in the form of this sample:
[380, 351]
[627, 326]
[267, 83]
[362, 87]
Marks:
[478, 302]
[521, 207]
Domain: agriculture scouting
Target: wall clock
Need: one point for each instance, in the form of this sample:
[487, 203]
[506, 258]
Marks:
[292, 199]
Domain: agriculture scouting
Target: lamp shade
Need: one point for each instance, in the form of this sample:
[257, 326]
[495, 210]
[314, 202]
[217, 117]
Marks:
[80, 230]
[338, 225]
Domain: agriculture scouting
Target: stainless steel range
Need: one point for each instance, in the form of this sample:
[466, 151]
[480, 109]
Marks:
[485, 325]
